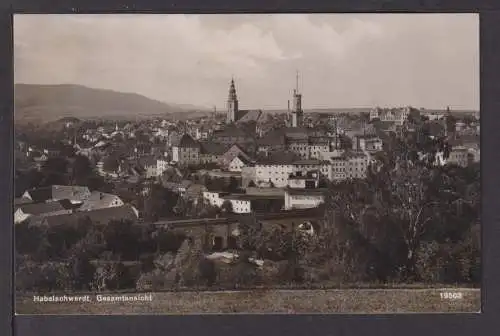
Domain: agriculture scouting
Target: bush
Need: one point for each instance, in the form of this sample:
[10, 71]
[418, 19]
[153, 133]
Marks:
[43, 277]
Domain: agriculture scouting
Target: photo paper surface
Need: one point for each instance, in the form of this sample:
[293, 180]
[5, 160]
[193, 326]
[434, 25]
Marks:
[222, 164]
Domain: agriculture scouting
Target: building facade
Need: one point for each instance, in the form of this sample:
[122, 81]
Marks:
[186, 151]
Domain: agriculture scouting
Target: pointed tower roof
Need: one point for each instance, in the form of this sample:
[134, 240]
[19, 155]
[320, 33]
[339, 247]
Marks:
[232, 91]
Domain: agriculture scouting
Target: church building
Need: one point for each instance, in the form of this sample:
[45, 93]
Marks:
[234, 114]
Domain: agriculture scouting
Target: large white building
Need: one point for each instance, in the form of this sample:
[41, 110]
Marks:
[278, 173]
[349, 165]
[303, 199]
[460, 156]
[367, 143]
[396, 115]
[244, 203]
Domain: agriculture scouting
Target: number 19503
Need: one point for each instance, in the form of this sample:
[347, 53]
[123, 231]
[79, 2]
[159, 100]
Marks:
[452, 295]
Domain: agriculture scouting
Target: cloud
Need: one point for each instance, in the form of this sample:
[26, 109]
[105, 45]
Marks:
[345, 60]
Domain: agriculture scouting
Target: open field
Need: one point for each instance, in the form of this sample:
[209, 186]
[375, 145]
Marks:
[272, 301]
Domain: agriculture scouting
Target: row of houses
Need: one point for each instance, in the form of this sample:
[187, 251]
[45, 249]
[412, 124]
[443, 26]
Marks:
[278, 171]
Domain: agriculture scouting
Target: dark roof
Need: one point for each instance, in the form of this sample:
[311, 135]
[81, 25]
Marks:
[98, 216]
[273, 138]
[41, 208]
[248, 115]
[186, 141]
[212, 148]
[232, 131]
[383, 125]
[367, 136]
[435, 128]
[312, 192]
[147, 160]
[319, 140]
[21, 201]
[59, 192]
[246, 197]
[243, 158]
[232, 152]
[307, 162]
[40, 194]
[279, 157]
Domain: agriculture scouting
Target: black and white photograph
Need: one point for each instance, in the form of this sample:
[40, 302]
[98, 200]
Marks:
[246, 164]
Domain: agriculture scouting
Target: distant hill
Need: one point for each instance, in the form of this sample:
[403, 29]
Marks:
[45, 103]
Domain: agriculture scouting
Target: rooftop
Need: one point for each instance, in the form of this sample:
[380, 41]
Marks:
[42, 208]
[311, 192]
[58, 192]
[246, 197]
[186, 141]
[98, 216]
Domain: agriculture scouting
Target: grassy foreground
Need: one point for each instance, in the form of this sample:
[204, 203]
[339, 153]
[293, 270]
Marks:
[271, 301]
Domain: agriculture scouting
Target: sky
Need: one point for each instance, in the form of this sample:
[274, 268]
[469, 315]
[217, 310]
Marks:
[344, 60]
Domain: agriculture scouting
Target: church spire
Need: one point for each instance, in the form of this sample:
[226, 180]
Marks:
[232, 103]
[232, 91]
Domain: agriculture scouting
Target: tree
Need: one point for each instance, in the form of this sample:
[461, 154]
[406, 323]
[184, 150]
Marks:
[82, 170]
[227, 206]
[181, 207]
[412, 208]
[27, 180]
[233, 185]
[244, 272]
[160, 203]
[121, 239]
[250, 233]
[82, 271]
[55, 171]
[28, 238]
[110, 164]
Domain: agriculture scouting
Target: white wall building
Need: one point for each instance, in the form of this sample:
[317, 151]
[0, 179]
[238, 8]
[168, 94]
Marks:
[275, 173]
[237, 164]
[396, 115]
[367, 143]
[303, 199]
[161, 166]
[213, 198]
[239, 205]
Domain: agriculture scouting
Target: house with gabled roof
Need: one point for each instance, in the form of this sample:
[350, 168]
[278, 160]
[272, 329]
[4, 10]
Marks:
[231, 153]
[238, 163]
[26, 211]
[100, 200]
[57, 192]
[186, 150]
[211, 152]
[97, 216]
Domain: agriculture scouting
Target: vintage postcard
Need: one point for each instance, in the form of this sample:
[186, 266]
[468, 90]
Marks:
[284, 163]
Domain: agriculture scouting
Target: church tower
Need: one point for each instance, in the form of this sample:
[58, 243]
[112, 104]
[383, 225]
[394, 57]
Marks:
[232, 104]
[297, 112]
